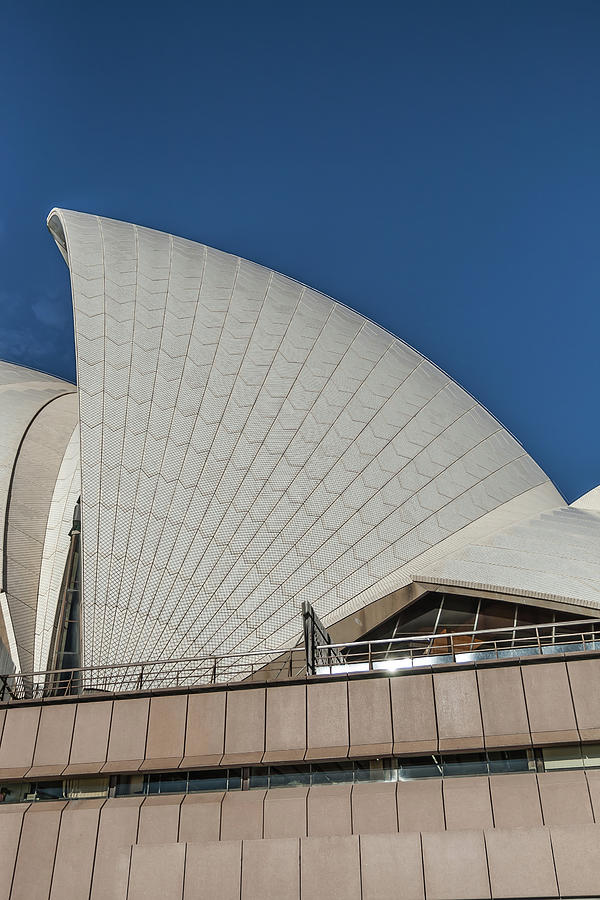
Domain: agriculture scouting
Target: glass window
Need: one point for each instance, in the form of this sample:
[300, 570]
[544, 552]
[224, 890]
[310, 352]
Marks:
[510, 761]
[419, 767]
[234, 779]
[332, 773]
[533, 615]
[130, 784]
[495, 614]
[567, 757]
[465, 764]
[208, 781]
[259, 778]
[458, 613]
[88, 788]
[591, 756]
[173, 783]
[49, 790]
[289, 776]
[420, 618]
[375, 770]
[153, 783]
[15, 792]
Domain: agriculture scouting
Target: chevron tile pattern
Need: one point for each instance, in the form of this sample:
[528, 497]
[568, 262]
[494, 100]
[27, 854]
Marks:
[247, 443]
[553, 556]
[24, 396]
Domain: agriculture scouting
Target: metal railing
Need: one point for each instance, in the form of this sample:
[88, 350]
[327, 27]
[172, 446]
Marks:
[391, 654]
[386, 654]
[263, 665]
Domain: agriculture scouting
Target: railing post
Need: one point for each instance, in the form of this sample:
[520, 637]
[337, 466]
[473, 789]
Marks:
[141, 678]
[539, 643]
[213, 677]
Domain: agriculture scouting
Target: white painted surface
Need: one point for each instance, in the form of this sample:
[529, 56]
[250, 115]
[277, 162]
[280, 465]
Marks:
[248, 443]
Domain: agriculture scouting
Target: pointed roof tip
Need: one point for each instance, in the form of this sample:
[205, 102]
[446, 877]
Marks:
[55, 227]
[590, 500]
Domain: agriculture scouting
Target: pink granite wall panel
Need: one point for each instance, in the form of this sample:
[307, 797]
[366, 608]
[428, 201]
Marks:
[455, 865]
[76, 848]
[213, 871]
[205, 732]
[127, 741]
[503, 709]
[11, 822]
[420, 805]
[391, 867]
[37, 850]
[242, 815]
[577, 860]
[166, 732]
[159, 819]
[271, 870]
[286, 723]
[593, 780]
[329, 810]
[413, 713]
[285, 813]
[245, 727]
[90, 737]
[370, 717]
[520, 863]
[565, 798]
[584, 677]
[18, 740]
[330, 865]
[549, 704]
[457, 709]
[516, 800]
[116, 833]
[327, 709]
[157, 872]
[200, 817]
[374, 808]
[53, 743]
[467, 803]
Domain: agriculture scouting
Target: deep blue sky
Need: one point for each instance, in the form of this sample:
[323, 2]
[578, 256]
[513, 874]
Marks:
[434, 165]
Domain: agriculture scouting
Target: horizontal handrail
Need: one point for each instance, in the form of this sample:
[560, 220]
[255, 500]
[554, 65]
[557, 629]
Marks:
[446, 634]
[460, 647]
[437, 648]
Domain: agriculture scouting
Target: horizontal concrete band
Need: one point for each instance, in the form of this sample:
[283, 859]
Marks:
[464, 865]
[94, 849]
[492, 707]
[523, 800]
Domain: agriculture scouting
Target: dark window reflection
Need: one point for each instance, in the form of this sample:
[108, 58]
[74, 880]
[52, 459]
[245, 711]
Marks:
[130, 784]
[419, 767]
[465, 764]
[375, 770]
[49, 790]
[175, 783]
[332, 773]
[289, 776]
[510, 761]
[235, 780]
[208, 781]
[153, 782]
[259, 778]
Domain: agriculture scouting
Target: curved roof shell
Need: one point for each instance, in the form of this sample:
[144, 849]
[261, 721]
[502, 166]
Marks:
[552, 556]
[32, 409]
[248, 443]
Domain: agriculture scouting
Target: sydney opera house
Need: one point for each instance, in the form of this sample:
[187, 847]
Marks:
[285, 613]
